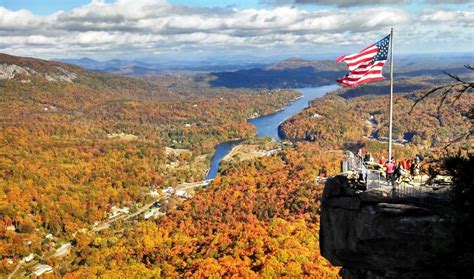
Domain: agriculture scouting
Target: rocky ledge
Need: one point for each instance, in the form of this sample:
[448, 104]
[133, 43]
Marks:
[372, 236]
[11, 71]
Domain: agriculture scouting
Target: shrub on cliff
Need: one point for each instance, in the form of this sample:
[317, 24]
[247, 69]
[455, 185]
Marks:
[460, 168]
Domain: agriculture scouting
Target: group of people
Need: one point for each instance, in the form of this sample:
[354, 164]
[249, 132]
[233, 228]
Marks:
[394, 170]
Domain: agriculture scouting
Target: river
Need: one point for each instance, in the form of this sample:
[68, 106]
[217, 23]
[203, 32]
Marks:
[267, 125]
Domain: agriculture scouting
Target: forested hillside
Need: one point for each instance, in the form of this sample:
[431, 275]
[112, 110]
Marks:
[74, 144]
[358, 116]
[259, 219]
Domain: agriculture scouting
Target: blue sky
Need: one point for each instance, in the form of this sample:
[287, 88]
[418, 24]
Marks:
[45, 7]
[105, 29]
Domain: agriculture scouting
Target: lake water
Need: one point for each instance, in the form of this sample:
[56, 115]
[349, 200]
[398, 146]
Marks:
[267, 125]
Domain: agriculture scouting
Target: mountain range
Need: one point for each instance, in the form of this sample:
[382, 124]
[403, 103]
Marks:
[141, 68]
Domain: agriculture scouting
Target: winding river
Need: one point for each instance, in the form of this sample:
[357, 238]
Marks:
[267, 125]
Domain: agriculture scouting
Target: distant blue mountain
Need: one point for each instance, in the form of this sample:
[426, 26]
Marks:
[137, 68]
[290, 73]
[297, 73]
[115, 64]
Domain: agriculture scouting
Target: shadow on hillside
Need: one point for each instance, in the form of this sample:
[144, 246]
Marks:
[261, 78]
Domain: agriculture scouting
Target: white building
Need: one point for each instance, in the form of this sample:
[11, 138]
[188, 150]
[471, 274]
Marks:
[168, 191]
[183, 194]
[153, 212]
[28, 258]
[154, 193]
[115, 211]
[41, 269]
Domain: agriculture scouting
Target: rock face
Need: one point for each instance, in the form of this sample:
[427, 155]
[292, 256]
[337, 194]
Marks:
[60, 75]
[26, 69]
[11, 71]
[370, 236]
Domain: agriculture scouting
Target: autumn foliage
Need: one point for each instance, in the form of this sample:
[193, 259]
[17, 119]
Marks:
[259, 219]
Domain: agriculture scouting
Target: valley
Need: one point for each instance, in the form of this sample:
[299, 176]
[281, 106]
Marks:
[79, 147]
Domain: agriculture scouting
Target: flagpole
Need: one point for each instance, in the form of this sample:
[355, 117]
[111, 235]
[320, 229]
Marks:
[391, 97]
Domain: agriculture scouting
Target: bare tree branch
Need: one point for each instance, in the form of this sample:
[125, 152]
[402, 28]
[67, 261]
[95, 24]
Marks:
[460, 86]
[455, 77]
[458, 139]
[427, 94]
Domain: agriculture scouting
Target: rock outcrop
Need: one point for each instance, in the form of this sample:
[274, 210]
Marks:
[25, 69]
[60, 75]
[371, 236]
[10, 71]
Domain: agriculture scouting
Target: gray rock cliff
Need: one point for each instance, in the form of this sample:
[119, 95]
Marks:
[372, 236]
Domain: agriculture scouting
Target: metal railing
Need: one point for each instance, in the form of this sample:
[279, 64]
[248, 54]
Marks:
[415, 191]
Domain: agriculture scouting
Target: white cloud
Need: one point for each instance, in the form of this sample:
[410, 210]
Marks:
[149, 26]
[449, 1]
[14, 20]
[349, 3]
[448, 16]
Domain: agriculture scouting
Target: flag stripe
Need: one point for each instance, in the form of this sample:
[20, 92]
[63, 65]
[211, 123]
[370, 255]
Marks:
[367, 62]
[362, 76]
[369, 48]
[370, 53]
[363, 68]
[353, 84]
[378, 63]
[361, 61]
[348, 78]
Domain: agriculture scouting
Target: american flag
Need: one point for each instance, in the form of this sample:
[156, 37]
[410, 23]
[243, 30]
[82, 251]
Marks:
[366, 65]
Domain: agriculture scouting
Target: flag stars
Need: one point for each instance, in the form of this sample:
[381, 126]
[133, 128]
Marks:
[383, 45]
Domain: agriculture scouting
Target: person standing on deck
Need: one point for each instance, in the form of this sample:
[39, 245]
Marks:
[390, 171]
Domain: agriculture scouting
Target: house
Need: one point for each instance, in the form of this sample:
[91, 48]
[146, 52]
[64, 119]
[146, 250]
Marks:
[116, 211]
[154, 193]
[153, 212]
[63, 250]
[168, 191]
[28, 258]
[41, 269]
[183, 194]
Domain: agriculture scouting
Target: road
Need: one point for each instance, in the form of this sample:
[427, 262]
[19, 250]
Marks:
[182, 187]
[65, 248]
[18, 266]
